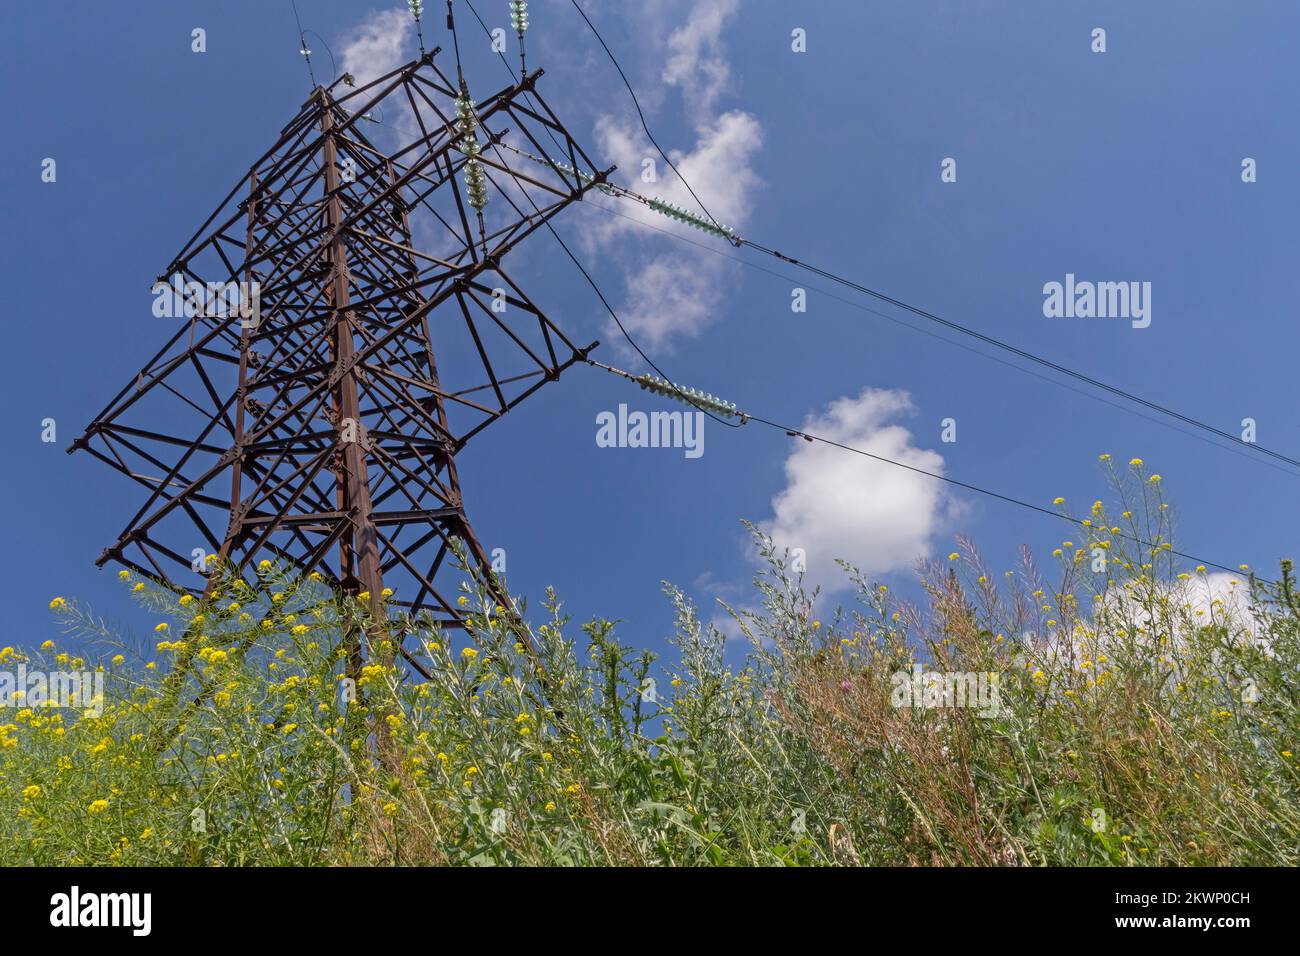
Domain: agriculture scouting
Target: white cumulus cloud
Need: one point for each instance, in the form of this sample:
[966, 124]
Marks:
[836, 505]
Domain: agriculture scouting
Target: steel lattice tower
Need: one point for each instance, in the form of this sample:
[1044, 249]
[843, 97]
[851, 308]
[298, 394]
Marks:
[324, 433]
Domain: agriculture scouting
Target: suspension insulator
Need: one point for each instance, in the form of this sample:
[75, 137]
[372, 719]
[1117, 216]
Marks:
[519, 15]
[663, 207]
[475, 184]
[691, 396]
[416, 7]
[466, 118]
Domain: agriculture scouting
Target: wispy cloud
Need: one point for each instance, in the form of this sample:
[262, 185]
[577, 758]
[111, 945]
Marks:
[378, 44]
[674, 293]
[697, 63]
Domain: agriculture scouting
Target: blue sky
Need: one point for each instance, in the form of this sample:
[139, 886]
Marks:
[1115, 166]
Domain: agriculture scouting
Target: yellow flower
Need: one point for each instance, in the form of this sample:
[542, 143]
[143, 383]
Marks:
[1058, 501]
[1103, 457]
[186, 599]
[1154, 479]
[57, 603]
[118, 659]
[550, 805]
[363, 596]
[139, 586]
[953, 556]
[469, 653]
[263, 565]
[290, 728]
[386, 592]
[462, 601]
[299, 629]
[32, 792]
[1136, 462]
[124, 575]
[161, 628]
[98, 806]
[390, 808]
[48, 645]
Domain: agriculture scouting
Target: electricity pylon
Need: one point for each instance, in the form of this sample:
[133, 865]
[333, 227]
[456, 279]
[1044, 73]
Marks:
[298, 412]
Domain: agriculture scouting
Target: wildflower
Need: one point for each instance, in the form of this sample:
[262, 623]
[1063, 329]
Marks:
[48, 645]
[462, 601]
[124, 575]
[263, 565]
[469, 653]
[1136, 462]
[390, 808]
[550, 805]
[386, 592]
[186, 599]
[953, 556]
[1155, 480]
[363, 596]
[57, 603]
[299, 630]
[98, 806]
[290, 728]
[1103, 457]
[139, 586]
[161, 628]
[1058, 501]
[118, 659]
[32, 792]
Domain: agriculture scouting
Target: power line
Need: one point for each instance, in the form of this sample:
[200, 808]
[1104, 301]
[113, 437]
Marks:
[1022, 353]
[567, 251]
[747, 263]
[637, 103]
[302, 38]
[1008, 499]
[689, 396]
[915, 310]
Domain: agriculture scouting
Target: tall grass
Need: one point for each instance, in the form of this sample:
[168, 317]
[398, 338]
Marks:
[1144, 714]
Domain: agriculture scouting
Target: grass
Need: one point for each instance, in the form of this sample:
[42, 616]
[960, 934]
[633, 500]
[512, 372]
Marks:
[1142, 713]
